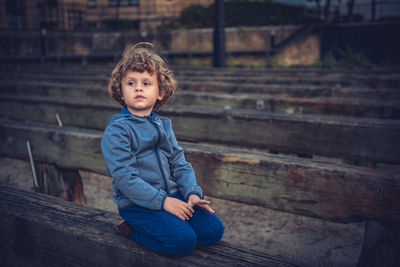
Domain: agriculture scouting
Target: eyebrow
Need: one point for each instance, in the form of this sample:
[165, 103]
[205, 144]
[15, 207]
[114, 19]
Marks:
[145, 79]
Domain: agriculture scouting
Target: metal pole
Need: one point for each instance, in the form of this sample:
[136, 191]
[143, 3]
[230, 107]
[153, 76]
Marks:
[35, 180]
[219, 35]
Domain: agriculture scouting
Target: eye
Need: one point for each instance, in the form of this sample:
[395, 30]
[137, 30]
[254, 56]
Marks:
[131, 83]
[147, 83]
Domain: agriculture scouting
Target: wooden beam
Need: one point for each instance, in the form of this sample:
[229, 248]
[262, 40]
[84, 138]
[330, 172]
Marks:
[106, 69]
[41, 230]
[369, 77]
[298, 90]
[385, 81]
[329, 191]
[340, 137]
[285, 80]
[46, 86]
[353, 107]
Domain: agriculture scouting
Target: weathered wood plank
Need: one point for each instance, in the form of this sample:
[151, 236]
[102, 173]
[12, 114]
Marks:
[303, 70]
[41, 230]
[311, 91]
[266, 80]
[370, 77]
[293, 90]
[353, 107]
[61, 90]
[269, 80]
[334, 192]
[340, 137]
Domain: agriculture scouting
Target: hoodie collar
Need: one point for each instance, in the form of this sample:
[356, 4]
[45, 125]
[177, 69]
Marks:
[153, 116]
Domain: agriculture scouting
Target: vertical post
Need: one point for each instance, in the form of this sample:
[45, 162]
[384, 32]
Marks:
[219, 35]
[327, 11]
[373, 10]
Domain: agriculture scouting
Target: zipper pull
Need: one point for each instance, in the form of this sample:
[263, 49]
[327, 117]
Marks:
[156, 122]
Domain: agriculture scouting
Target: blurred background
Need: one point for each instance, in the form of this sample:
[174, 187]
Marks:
[258, 33]
[296, 141]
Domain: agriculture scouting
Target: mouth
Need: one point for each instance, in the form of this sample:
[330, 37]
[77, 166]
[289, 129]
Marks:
[139, 97]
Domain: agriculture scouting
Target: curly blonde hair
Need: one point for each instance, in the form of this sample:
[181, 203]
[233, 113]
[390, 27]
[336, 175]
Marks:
[142, 57]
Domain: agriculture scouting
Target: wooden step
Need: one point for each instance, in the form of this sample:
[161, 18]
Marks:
[41, 230]
[202, 71]
[335, 192]
[354, 107]
[358, 139]
[391, 80]
[297, 90]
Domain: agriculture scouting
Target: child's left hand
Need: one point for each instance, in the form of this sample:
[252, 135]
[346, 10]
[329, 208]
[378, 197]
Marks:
[194, 200]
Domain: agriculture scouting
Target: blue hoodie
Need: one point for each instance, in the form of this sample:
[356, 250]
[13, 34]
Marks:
[145, 161]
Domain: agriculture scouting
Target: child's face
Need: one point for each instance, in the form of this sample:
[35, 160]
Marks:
[140, 92]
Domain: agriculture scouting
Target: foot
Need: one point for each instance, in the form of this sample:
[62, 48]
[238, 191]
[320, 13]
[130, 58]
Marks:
[123, 228]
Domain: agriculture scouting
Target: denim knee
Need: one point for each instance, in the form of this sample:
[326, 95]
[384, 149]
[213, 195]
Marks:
[182, 244]
[213, 235]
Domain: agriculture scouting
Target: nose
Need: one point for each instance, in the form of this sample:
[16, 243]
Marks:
[139, 88]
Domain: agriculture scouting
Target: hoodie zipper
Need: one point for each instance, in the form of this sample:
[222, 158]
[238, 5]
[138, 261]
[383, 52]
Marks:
[157, 152]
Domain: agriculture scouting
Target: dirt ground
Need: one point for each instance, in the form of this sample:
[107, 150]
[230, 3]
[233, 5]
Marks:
[304, 240]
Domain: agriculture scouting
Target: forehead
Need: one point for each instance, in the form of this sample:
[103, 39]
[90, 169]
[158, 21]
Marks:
[139, 75]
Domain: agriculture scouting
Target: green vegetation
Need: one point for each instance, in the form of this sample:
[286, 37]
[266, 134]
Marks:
[240, 13]
[344, 57]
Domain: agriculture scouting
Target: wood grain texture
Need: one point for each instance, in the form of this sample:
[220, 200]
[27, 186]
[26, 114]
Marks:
[41, 230]
[332, 136]
[353, 107]
[212, 86]
[312, 102]
[334, 192]
[366, 77]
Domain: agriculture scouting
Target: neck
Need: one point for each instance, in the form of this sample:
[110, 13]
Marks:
[140, 113]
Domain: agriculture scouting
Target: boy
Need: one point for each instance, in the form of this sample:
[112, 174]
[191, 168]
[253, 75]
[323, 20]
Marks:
[141, 153]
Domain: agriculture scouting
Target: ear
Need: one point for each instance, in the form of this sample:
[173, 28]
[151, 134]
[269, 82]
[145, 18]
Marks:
[161, 95]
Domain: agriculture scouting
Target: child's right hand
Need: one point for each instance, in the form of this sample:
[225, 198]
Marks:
[179, 208]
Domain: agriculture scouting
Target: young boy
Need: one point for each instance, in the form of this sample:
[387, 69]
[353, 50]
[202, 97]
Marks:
[154, 186]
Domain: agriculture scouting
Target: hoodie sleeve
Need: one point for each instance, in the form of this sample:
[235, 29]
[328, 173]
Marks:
[182, 171]
[121, 164]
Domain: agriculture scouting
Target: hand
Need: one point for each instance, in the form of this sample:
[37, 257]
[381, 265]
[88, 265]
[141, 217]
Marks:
[179, 208]
[194, 200]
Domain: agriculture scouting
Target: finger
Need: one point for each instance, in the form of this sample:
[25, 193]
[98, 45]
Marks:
[177, 214]
[183, 216]
[210, 210]
[203, 201]
[190, 208]
[187, 211]
[203, 206]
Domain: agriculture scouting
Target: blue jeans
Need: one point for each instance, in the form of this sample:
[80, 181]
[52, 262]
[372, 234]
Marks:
[165, 233]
